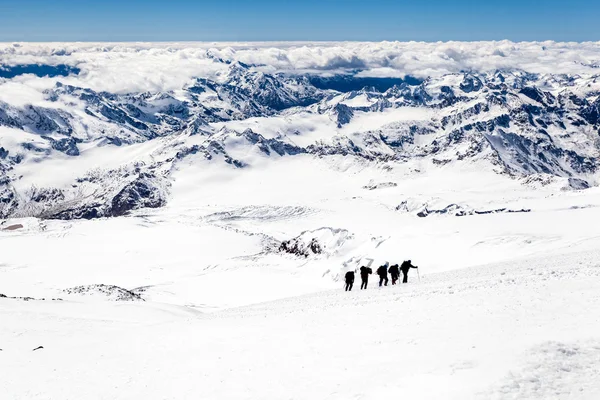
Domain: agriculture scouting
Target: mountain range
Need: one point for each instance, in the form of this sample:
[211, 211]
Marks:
[541, 127]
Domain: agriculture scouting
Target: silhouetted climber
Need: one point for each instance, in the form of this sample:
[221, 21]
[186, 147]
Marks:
[349, 280]
[364, 276]
[406, 265]
[382, 272]
[395, 273]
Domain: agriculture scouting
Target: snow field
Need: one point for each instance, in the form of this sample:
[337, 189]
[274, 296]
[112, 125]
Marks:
[227, 316]
[522, 330]
[198, 299]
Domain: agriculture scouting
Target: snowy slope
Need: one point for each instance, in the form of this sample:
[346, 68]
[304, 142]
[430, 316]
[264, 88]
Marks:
[220, 234]
[526, 330]
[176, 220]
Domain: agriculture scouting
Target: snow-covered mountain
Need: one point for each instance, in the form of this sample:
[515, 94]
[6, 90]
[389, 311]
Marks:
[544, 126]
[176, 220]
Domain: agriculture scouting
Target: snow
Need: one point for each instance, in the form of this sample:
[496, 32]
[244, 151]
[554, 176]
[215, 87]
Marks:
[304, 129]
[524, 330]
[227, 316]
[358, 101]
[366, 121]
[198, 298]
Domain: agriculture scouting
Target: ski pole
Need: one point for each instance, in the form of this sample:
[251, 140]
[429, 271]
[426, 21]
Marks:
[419, 275]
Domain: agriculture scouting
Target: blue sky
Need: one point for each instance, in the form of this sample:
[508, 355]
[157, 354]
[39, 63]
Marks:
[237, 20]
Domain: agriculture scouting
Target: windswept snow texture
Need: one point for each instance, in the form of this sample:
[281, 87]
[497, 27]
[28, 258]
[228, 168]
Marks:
[176, 220]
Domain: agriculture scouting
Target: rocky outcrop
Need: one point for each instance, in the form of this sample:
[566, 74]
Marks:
[104, 292]
[324, 241]
[460, 211]
[299, 248]
[342, 114]
[141, 193]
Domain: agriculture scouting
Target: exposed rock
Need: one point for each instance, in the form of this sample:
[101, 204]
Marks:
[578, 184]
[269, 146]
[141, 193]
[81, 212]
[373, 186]
[26, 298]
[342, 114]
[65, 145]
[412, 205]
[440, 162]
[107, 292]
[461, 211]
[296, 247]
[470, 84]
[315, 242]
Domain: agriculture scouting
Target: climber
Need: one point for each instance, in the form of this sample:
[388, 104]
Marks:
[406, 265]
[349, 280]
[364, 276]
[382, 272]
[395, 273]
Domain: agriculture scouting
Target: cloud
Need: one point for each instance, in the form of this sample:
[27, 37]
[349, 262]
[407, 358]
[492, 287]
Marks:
[21, 92]
[139, 67]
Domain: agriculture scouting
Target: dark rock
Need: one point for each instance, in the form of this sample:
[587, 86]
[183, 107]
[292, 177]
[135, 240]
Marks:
[591, 113]
[141, 193]
[65, 145]
[470, 84]
[537, 95]
[460, 211]
[441, 162]
[297, 247]
[40, 195]
[380, 185]
[578, 184]
[33, 147]
[342, 114]
[268, 145]
[82, 212]
[111, 292]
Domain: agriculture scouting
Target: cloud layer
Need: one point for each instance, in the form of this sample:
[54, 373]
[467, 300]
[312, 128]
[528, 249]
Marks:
[137, 67]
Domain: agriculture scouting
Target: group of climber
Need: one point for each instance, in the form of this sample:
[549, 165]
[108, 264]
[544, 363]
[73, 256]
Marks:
[382, 271]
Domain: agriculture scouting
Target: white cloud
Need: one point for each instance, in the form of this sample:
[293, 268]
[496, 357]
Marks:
[18, 93]
[135, 67]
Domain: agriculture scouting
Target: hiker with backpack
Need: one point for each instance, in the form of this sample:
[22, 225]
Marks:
[405, 267]
[394, 273]
[349, 280]
[364, 276]
[382, 272]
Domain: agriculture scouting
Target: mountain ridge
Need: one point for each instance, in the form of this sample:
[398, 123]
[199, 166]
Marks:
[522, 123]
